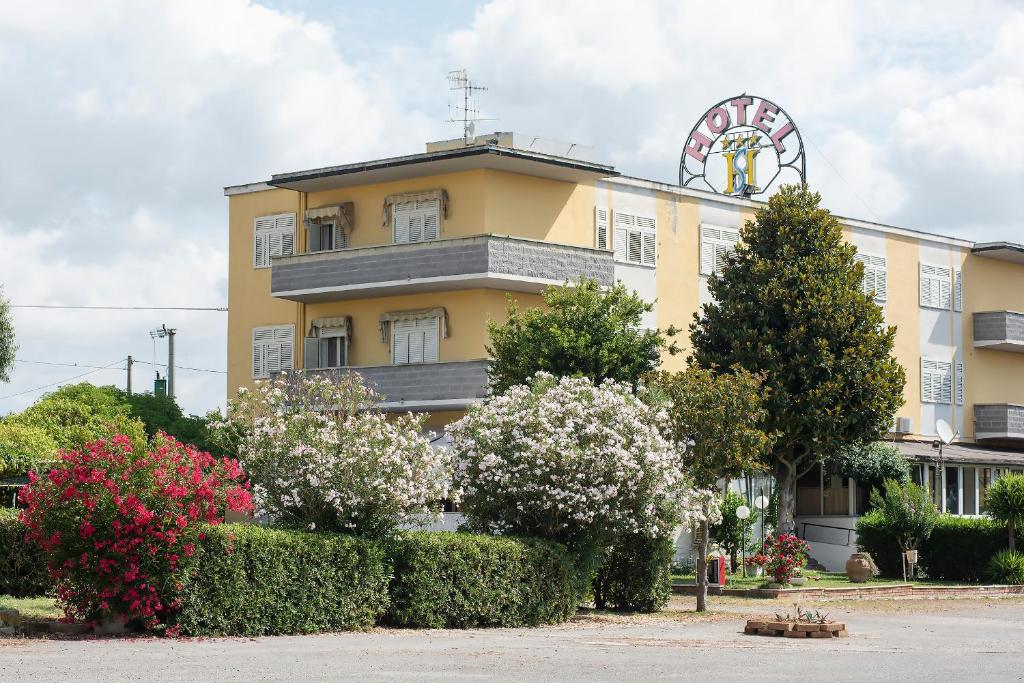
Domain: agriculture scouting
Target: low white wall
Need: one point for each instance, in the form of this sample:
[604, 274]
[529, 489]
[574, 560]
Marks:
[831, 547]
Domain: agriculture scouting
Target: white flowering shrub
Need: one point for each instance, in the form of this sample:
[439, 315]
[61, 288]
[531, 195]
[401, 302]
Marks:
[566, 460]
[320, 456]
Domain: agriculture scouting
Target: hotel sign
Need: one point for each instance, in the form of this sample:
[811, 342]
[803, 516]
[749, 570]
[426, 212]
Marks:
[741, 146]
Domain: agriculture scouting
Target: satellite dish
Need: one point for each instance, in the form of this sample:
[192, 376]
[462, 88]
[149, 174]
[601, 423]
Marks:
[944, 431]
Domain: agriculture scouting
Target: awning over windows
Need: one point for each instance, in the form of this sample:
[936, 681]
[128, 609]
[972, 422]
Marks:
[339, 326]
[419, 314]
[959, 453]
[339, 212]
[426, 196]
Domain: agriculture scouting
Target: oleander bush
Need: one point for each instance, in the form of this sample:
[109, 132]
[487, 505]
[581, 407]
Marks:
[251, 580]
[118, 527]
[1007, 566]
[22, 564]
[954, 551]
[460, 580]
[635, 575]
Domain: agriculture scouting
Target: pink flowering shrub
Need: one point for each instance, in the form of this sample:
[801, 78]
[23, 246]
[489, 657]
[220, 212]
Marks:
[118, 527]
[784, 555]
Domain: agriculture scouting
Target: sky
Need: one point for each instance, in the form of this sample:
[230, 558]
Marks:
[123, 120]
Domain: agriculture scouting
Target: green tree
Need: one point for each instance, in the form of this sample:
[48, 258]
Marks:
[584, 331]
[7, 345]
[789, 305]
[904, 512]
[872, 463]
[719, 418]
[76, 414]
[1005, 501]
[24, 449]
[733, 533]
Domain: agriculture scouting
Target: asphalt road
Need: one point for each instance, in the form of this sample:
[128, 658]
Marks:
[906, 641]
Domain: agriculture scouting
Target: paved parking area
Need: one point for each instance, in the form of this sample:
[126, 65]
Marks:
[890, 640]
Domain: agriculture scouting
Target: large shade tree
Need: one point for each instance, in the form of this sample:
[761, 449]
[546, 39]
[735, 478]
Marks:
[789, 305]
[583, 331]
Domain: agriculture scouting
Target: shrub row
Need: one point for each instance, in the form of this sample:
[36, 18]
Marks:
[252, 580]
[958, 549]
[22, 566]
[635, 575]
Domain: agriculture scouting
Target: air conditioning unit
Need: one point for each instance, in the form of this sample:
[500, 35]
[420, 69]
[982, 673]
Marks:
[902, 425]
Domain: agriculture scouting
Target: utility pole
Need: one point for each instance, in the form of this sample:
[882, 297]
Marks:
[170, 361]
[130, 361]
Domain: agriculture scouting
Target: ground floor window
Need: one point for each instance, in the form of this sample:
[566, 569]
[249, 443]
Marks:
[957, 489]
[821, 491]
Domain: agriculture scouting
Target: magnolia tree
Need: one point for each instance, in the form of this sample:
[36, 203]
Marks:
[320, 456]
[567, 460]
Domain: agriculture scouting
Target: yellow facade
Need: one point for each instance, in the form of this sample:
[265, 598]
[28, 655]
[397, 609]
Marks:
[540, 200]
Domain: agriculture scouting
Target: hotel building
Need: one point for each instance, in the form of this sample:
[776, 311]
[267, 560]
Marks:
[392, 267]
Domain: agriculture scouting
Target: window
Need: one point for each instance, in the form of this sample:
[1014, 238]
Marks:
[274, 236]
[959, 383]
[414, 341]
[273, 350]
[332, 352]
[936, 381]
[327, 236]
[935, 286]
[416, 221]
[601, 228]
[715, 246]
[635, 239]
[874, 275]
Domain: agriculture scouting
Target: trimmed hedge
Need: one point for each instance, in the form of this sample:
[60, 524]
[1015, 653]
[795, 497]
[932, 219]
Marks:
[958, 549]
[459, 580]
[636, 575]
[251, 580]
[22, 565]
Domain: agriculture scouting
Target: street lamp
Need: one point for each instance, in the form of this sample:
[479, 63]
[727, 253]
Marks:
[742, 513]
[761, 503]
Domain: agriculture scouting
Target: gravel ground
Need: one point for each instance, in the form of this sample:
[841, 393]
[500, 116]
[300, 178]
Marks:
[890, 640]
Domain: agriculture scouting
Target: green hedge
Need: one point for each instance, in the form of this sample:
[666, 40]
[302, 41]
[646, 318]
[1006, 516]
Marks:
[251, 580]
[958, 549]
[458, 580]
[22, 567]
[635, 576]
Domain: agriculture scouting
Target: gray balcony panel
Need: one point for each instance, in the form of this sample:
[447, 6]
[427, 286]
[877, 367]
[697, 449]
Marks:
[468, 262]
[1004, 421]
[423, 386]
[1003, 330]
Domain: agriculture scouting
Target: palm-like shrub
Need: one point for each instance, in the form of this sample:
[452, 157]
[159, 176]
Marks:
[903, 512]
[1005, 501]
[1007, 566]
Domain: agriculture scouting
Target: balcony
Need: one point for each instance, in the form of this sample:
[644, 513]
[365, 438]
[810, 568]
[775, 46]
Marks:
[423, 386]
[1003, 330]
[481, 261]
[998, 421]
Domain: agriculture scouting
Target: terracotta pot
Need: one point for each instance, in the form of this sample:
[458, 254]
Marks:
[858, 568]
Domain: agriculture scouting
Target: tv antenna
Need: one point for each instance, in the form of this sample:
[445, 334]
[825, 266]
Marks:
[467, 114]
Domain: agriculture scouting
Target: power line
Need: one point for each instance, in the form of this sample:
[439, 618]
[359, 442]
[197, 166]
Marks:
[181, 367]
[109, 366]
[63, 365]
[845, 182]
[222, 309]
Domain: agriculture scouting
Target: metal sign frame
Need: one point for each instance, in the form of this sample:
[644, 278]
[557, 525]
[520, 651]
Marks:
[697, 170]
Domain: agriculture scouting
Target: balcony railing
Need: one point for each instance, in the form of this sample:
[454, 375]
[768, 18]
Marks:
[1003, 330]
[488, 261]
[420, 386]
[998, 421]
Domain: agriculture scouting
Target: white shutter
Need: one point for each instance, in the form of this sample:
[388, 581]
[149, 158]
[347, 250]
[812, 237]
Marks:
[623, 223]
[936, 381]
[400, 341]
[959, 383]
[716, 244]
[285, 338]
[958, 290]
[635, 238]
[650, 256]
[431, 212]
[875, 275]
[935, 286]
[273, 349]
[284, 224]
[430, 328]
[263, 226]
[633, 249]
[601, 228]
[400, 215]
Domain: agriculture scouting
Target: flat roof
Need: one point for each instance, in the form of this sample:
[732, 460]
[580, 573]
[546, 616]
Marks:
[960, 453]
[1004, 251]
[445, 161]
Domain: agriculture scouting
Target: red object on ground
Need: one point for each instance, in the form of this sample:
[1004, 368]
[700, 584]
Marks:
[716, 571]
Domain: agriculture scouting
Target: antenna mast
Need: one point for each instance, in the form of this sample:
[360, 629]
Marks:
[467, 114]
